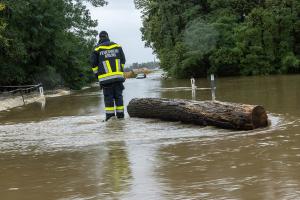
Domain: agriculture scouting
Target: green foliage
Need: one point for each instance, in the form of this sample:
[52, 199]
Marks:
[233, 37]
[47, 41]
[3, 39]
[291, 64]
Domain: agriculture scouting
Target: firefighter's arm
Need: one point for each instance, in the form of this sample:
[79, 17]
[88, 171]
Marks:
[123, 59]
[94, 63]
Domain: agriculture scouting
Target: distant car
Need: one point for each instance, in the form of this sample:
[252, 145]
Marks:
[140, 76]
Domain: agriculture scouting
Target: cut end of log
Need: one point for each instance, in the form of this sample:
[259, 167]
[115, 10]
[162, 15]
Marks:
[259, 117]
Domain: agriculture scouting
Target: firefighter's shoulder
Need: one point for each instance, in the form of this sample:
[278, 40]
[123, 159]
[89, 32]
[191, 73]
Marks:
[108, 46]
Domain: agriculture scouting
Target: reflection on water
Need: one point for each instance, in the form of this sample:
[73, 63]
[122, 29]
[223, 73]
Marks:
[257, 168]
[67, 152]
[116, 176]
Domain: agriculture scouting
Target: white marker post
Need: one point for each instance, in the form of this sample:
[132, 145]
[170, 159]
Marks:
[42, 97]
[194, 87]
[213, 87]
[41, 89]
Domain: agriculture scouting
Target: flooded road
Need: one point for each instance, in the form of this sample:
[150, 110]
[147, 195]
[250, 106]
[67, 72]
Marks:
[66, 152]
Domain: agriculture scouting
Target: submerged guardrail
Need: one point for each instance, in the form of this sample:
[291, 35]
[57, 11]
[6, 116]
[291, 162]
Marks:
[12, 91]
[195, 88]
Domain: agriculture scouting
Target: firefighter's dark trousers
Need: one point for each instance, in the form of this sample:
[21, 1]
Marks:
[113, 99]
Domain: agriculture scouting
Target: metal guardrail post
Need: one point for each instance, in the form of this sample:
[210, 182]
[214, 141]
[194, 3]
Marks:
[23, 97]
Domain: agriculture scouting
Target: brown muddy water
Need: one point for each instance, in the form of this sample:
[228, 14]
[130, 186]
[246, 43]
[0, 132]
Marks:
[66, 152]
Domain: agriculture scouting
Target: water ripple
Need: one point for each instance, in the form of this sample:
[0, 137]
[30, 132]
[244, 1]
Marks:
[83, 131]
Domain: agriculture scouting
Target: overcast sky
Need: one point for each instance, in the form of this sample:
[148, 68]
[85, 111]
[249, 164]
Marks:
[123, 22]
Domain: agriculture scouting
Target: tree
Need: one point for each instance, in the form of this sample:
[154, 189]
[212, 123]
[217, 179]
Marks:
[3, 40]
[49, 42]
[234, 37]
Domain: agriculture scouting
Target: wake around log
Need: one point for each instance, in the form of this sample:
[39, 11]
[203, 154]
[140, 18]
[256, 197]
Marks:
[206, 113]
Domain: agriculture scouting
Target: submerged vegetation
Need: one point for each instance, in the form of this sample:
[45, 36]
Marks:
[46, 41]
[226, 37]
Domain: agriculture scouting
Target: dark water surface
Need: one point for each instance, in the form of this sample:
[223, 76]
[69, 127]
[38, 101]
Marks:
[66, 152]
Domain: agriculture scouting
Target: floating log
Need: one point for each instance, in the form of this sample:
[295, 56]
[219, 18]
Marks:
[206, 113]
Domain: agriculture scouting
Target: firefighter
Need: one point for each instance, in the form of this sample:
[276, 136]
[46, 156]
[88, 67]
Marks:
[108, 62]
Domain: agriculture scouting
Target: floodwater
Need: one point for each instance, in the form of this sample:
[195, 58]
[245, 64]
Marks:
[66, 152]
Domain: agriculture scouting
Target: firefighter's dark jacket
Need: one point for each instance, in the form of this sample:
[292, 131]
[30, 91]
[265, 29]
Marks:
[108, 62]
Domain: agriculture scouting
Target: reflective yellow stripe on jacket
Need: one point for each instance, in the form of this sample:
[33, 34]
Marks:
[107, 47]
[108, 66]
[110, 74]
[95, 69]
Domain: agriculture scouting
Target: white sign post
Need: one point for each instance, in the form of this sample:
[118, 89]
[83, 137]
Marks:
[213, 87]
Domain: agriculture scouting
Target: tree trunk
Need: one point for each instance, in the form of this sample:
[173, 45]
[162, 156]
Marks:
[213, 113]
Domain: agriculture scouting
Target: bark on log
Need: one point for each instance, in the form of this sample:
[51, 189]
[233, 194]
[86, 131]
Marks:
[214, 113]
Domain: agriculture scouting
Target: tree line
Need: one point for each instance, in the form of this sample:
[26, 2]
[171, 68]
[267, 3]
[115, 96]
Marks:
[148, 65]
[46, 41]
[226, 37]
